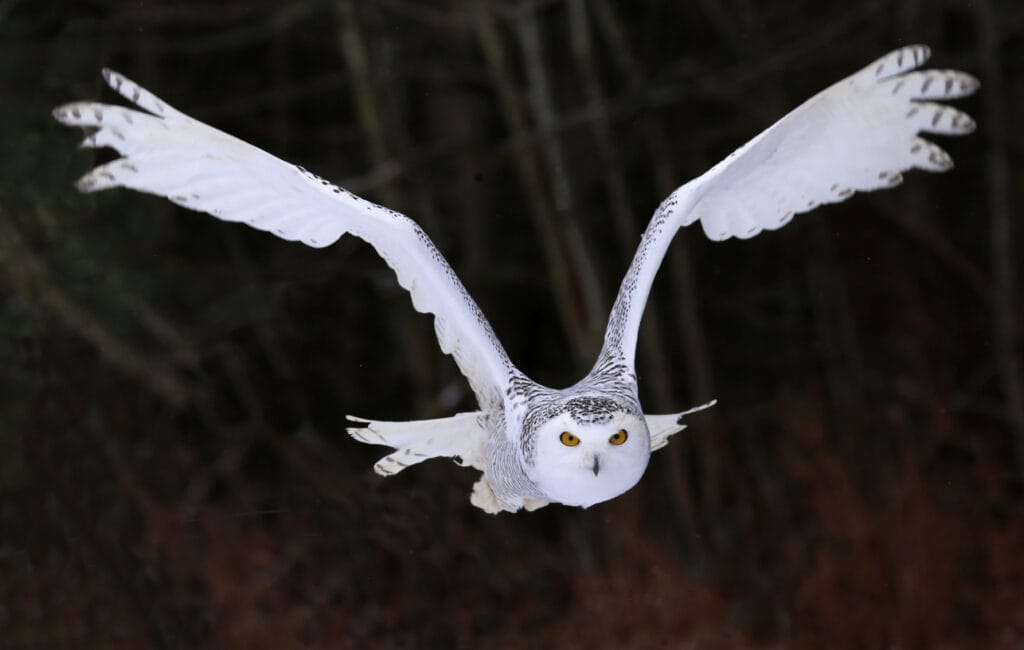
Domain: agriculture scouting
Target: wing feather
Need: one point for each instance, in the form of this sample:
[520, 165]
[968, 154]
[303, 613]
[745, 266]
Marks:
[167, 153]
[858, 135]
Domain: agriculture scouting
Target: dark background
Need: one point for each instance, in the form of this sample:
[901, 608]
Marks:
[174, 471]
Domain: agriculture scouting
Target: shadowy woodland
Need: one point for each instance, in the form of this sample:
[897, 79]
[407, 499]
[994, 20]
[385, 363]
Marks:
[174, 470]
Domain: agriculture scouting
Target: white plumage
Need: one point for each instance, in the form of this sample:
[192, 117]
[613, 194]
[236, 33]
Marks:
[534, 445]
[856, 136]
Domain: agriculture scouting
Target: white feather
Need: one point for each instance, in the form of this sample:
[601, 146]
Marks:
[662, 427]
[854, 136]
[460, 437]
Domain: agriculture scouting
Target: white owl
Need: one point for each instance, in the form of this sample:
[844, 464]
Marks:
[536, 445]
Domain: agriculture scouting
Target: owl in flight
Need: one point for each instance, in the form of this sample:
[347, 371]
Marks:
[536, 445]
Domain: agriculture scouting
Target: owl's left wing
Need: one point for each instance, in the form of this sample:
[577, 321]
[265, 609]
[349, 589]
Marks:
[170, 154]
[858, 135]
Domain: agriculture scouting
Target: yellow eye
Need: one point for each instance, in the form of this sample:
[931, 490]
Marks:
[618, 437]
[568, 439]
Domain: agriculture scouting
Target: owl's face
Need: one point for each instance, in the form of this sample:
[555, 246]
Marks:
[581, 463]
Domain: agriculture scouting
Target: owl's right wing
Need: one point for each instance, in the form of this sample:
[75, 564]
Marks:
[858, 135]
[170, 154]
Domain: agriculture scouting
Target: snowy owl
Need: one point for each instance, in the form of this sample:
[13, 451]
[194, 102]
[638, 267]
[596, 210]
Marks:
[536, 445]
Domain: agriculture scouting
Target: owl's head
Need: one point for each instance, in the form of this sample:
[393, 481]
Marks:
[591, 450]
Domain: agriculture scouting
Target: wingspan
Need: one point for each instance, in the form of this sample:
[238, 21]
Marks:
[167, 153]
[858, 135]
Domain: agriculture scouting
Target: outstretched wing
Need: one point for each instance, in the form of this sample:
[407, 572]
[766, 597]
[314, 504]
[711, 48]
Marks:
[857, 135]
[197, 166]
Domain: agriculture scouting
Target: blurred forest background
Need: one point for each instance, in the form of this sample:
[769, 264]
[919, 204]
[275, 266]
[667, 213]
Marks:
[174, 470]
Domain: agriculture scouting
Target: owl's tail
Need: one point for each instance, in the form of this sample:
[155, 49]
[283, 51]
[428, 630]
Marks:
[461, 437]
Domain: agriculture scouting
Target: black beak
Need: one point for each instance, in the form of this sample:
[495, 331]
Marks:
[597, 465]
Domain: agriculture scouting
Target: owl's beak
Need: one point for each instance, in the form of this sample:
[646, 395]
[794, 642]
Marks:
[597, 464]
